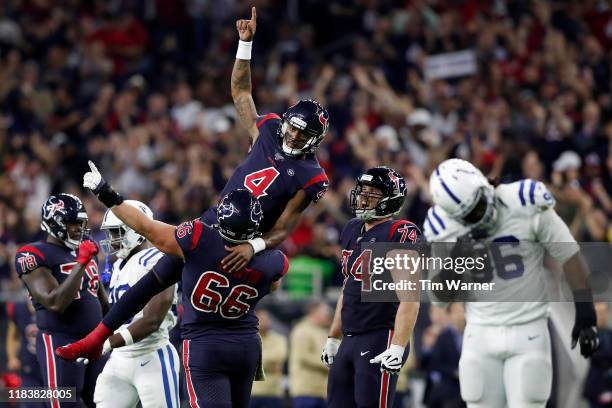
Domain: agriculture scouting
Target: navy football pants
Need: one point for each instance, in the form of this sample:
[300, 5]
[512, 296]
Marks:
[60, 373]
[219, 371]
[353, 381]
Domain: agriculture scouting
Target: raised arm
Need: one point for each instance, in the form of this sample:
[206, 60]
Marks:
[241, 76]
[158, 233]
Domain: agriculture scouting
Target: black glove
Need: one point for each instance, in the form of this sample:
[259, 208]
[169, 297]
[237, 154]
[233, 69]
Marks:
[585, 325]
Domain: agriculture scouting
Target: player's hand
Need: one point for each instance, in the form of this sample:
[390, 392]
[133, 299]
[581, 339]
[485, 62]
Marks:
[330, 350]
[93, 180]
[390, 360]
[239, 256]
[585, 325]
[588, 338]
[246, 28]
[87, 250]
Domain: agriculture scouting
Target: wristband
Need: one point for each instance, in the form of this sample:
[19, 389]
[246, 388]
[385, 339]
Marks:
[127, 337]
[244, 50]
[109, 197]
[583, 295]
[258, 244]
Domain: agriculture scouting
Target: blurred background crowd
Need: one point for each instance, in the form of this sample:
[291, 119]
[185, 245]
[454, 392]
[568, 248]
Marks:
[142, 87]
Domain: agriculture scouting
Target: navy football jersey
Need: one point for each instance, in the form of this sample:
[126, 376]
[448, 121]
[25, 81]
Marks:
[24, 321]
[85, 312]
[274, 177]
[358, 316]
[214, 301]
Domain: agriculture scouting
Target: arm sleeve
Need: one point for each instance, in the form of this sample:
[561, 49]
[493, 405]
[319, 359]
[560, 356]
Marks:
[188, 235]
[27, 259]
[553, 233]
[269, 119]
[166, 272]
[405, 232]
[316, 186]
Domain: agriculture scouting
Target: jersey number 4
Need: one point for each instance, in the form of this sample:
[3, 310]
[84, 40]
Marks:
[360, 270]
[258, 182]
[206, 298]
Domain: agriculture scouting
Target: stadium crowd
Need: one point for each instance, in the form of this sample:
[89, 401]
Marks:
[143, 89]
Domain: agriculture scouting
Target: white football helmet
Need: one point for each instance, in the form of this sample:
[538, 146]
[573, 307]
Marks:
[120, 238]
[464, 193]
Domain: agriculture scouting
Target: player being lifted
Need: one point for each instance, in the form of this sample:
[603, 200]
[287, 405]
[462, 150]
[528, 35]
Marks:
[377, 332]
[506, 354]
[281, 169]
[144, 365]
[221, 346]
[61, 275]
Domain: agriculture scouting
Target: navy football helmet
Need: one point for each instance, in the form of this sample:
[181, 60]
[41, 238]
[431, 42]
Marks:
[369, 205]
[239, 214]
[64, 217]
[304, 127]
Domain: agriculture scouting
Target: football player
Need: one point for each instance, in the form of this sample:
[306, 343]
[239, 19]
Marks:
[61, 275]
[506, 354]
[221, 345]
[144, 365]
[368, 342]
[281, 169]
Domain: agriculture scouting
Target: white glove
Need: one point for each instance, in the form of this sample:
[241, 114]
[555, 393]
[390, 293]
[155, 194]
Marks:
[93, 179]
[329, 351]
[390, 360]
[106, 348]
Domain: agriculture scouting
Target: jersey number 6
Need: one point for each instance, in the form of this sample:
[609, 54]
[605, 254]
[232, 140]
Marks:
[207, 299]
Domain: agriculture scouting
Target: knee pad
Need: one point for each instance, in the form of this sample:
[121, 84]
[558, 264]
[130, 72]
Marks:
[471, 379]
[535, 378]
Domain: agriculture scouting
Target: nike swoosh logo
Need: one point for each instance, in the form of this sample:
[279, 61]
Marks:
[533, 337]
[363, 353]
[145, 363]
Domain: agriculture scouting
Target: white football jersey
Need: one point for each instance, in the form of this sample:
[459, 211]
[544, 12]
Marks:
[125, 275]
[527, 227]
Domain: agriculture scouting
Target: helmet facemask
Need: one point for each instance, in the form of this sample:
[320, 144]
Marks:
[70, 233]
[482, 216]
[121, 241]
[295, 141]
[366, 201]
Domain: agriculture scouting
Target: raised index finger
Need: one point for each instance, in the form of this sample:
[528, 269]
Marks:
[92, 166]
[253, 14]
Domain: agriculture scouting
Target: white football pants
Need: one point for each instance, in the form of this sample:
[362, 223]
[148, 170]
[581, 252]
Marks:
[506, 366]
[152, 378]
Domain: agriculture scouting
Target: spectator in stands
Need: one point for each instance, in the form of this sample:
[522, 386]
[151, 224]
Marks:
[598, 384]
[269, 393]
[307, 374]
[441, 361]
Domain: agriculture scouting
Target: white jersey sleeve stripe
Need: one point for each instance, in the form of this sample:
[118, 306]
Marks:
[438, 218]
[150, 256]
[521, 196]
[144, 255]
[431, 226]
